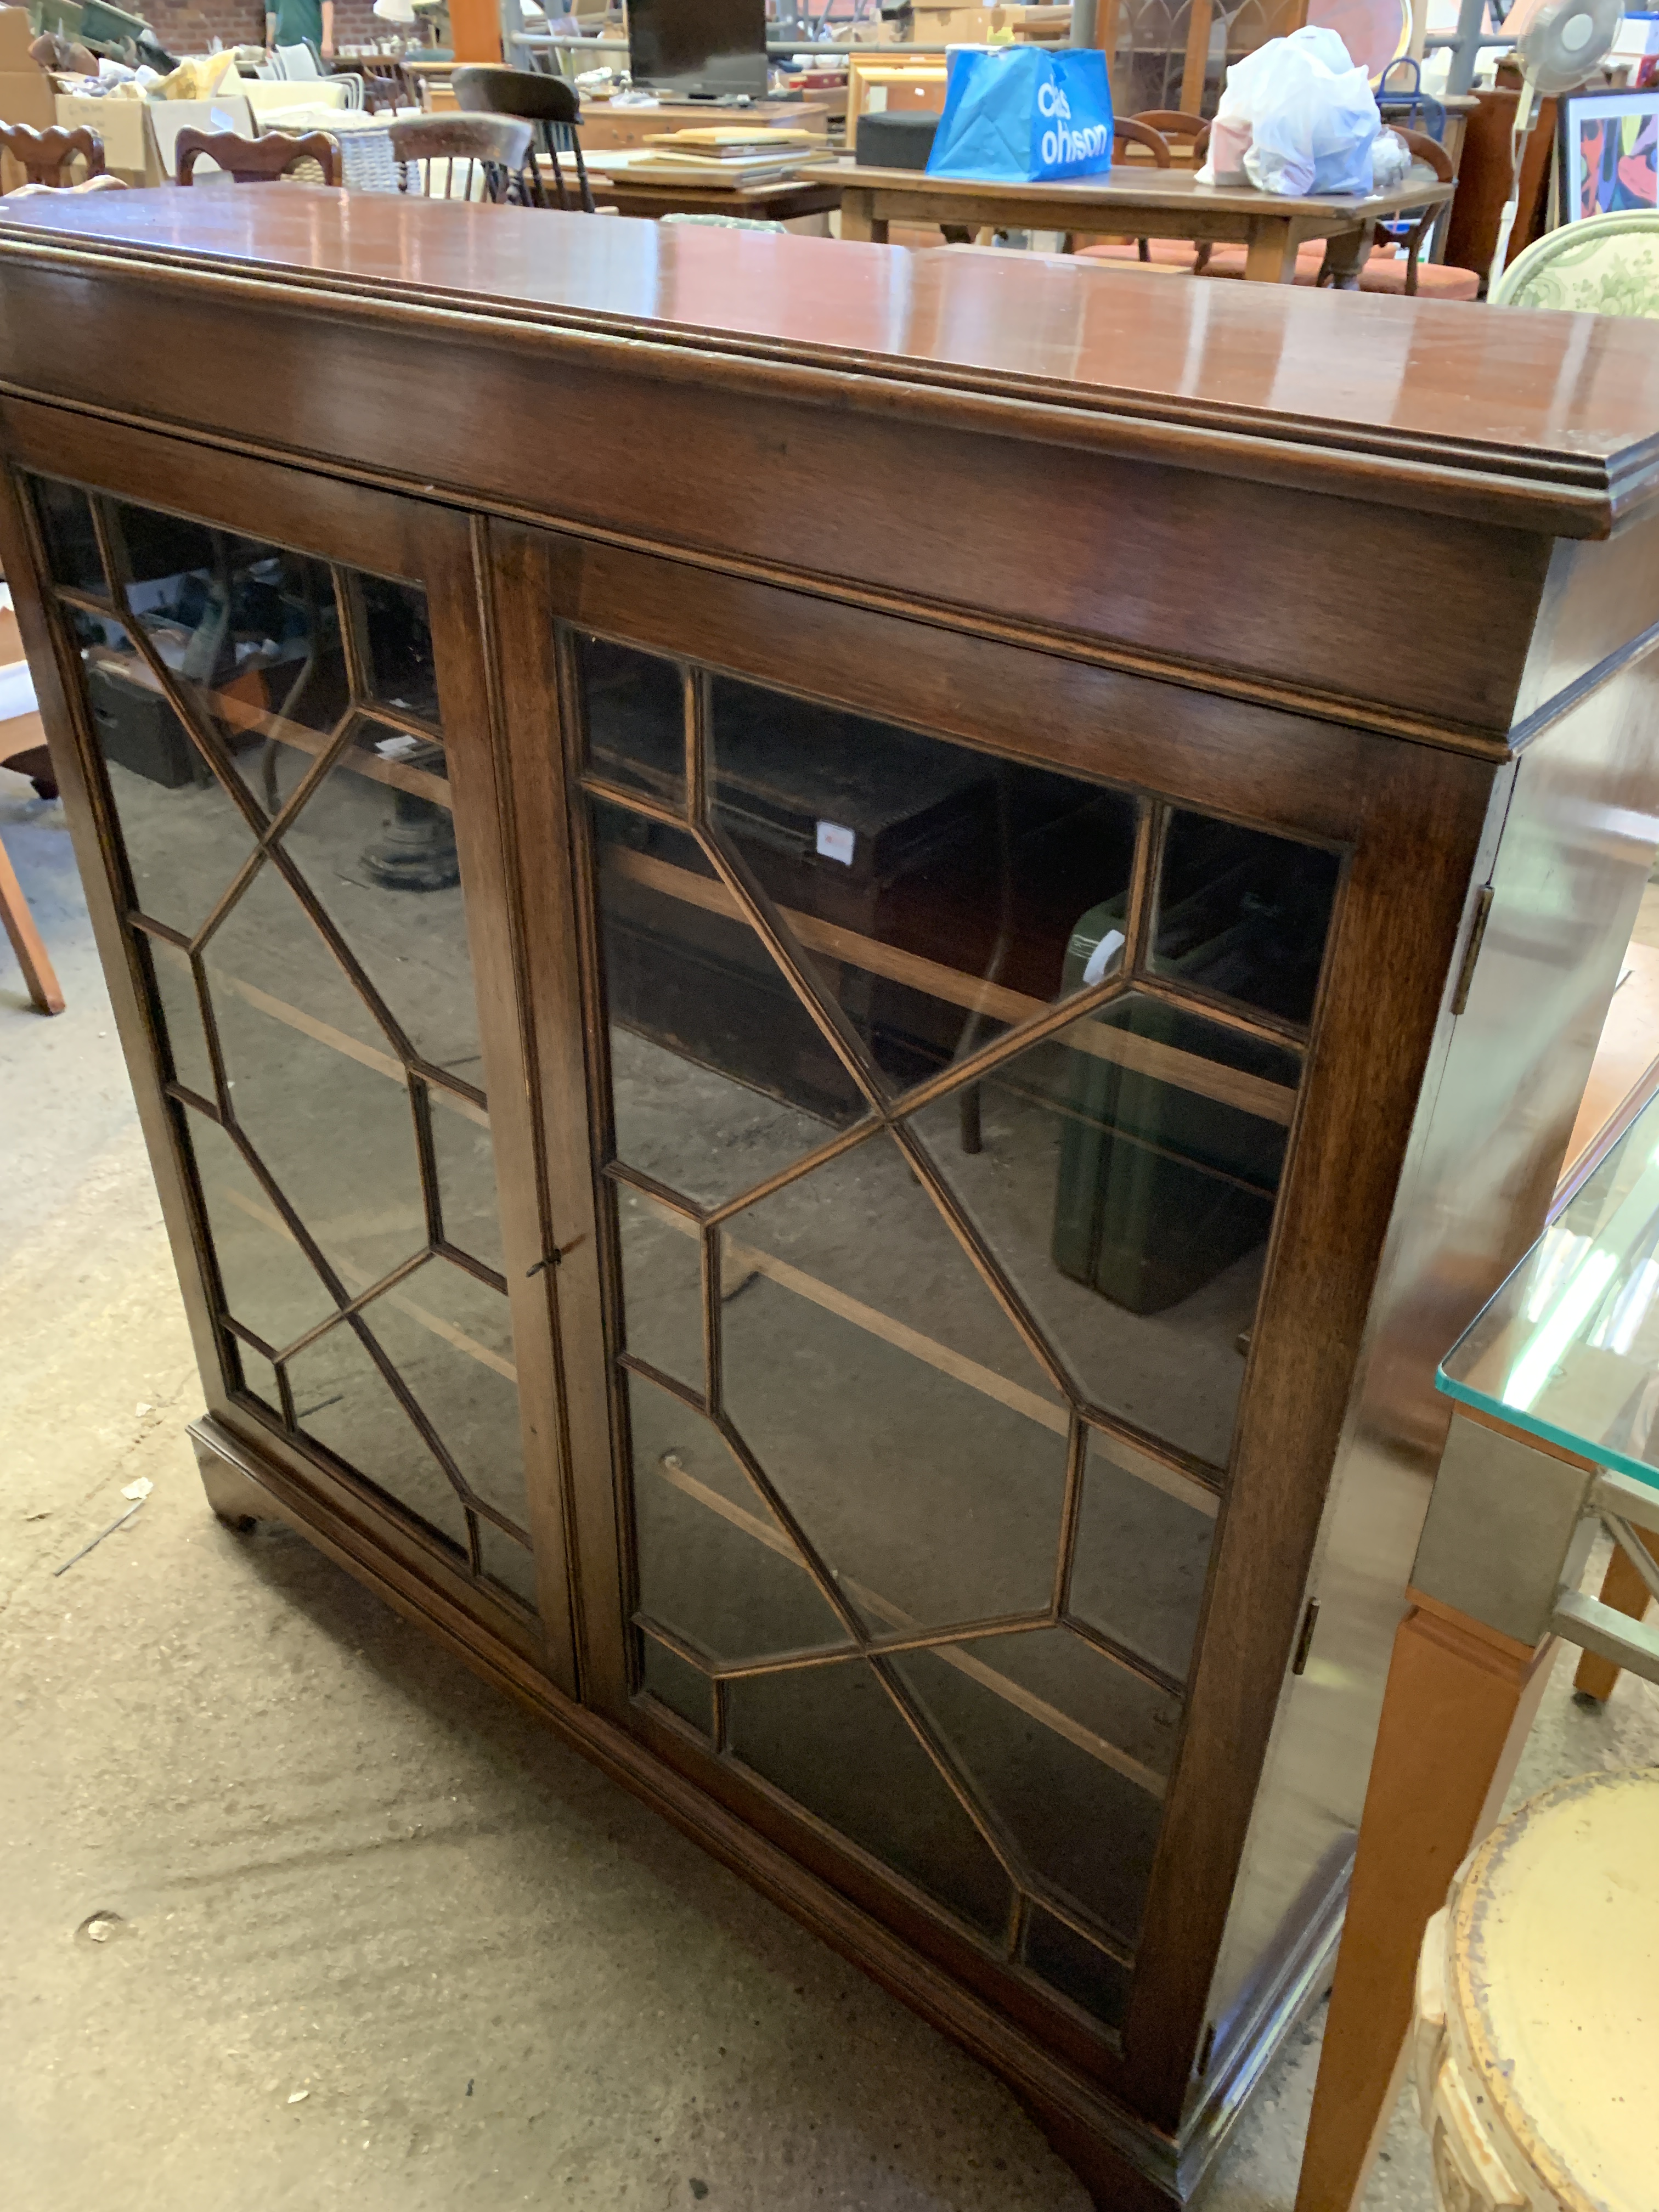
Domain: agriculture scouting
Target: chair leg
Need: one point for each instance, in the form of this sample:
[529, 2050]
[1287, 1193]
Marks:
[19, 928]
[558, 174]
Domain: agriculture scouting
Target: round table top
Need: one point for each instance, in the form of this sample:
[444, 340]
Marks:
[1553, 1980]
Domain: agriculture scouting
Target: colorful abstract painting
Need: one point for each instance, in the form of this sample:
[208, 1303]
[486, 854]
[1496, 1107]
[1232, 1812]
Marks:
[1610, 152]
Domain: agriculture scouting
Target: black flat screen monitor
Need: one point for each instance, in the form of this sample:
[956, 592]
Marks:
[688, 47]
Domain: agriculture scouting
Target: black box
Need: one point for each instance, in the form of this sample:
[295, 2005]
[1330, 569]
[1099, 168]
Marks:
[896, 141]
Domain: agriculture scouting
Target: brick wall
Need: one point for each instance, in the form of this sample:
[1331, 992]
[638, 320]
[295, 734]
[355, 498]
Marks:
[189, 27]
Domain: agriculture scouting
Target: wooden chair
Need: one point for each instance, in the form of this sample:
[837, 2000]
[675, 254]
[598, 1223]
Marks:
[549, 103]
[256, 161]
[47, 157]
[1127, 131]
[1188, 137]
[1401, 273]
[1411, 233]
[477, 157]
[1132, 131]
[23, 749]
[18, 922]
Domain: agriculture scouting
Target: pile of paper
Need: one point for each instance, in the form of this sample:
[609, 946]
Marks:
[720, 155]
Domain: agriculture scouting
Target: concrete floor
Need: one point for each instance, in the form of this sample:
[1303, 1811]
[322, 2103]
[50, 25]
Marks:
[381, 1942]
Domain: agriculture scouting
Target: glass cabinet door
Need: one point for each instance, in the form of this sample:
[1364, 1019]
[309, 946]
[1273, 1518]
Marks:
[945, 1107]
[276, 772]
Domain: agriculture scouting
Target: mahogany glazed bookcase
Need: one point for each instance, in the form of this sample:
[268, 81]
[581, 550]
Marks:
[839, 966]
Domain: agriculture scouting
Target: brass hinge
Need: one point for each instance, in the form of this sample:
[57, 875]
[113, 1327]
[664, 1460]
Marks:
[1472, 950]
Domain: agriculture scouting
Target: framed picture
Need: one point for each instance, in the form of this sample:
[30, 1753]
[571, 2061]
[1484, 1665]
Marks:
[1609, 152]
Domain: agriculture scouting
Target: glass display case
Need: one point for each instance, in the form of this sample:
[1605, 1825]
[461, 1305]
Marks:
[836, 1137]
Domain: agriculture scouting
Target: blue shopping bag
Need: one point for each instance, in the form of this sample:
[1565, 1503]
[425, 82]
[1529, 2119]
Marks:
[1016, 115]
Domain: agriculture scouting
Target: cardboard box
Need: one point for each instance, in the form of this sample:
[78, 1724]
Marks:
[123, 127]
[26, 96]
[167, 118]
[17, 37]
[951, 27]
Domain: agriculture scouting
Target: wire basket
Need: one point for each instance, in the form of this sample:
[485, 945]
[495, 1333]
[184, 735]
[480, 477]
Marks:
[366, 162]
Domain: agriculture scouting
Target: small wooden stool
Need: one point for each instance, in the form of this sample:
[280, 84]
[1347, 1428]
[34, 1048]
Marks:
[1536, 2041]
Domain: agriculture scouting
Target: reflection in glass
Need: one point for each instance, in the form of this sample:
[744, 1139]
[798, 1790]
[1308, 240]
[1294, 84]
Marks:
[934, 891]
[719, 1077]
[888, 1397]
[1111, 1191]
[507, 1562]
[666, 1676]
[1125, 1178]
[464, 1158]
[636, 709]
[313, 1085]
[376, 842]
[397, 656]
[1244, 914]
[259, 1378]
[1076, 1967]
[715, 1564]
[181, 1015]
[184, 836]
[662, 1286]
[329, 961]
[343, 1402]
[832, 1739]
[1567, 1348]
[1084, 1827]
[250, 634]
[450, 1338]
[65, 519]
[1142, 1553]
[269, 1285]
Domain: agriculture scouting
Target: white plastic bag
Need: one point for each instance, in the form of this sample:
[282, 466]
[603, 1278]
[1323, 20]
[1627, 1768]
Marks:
[1296, 116]
[1391, 159]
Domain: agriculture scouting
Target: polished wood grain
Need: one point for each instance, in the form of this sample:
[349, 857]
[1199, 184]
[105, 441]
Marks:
[255, 161]
[1460, 1703]
[526, 568]
[1130, 532]
[1149, 201]
[1372, 1045]
[1518, 399]
[1176, 193]
[49, 157]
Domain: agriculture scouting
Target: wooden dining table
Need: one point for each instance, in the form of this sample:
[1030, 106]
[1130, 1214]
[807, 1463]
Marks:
[1140, 202]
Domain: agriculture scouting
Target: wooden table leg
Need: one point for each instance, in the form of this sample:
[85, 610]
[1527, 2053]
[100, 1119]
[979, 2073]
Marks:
[1270, 256]
[1624, 1590]
[859, 218]
[19, 925]
[1346, 254]
[1458, 1708]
